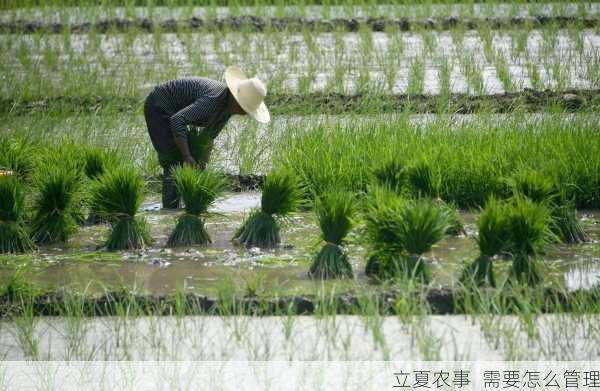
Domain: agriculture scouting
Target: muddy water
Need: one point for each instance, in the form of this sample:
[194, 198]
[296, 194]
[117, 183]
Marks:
[83, 265]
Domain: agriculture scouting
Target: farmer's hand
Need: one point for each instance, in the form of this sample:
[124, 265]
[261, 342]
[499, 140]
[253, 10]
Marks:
[189, 160]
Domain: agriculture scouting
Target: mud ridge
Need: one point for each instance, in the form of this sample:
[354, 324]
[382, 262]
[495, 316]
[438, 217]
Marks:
[439, 302]
[322, 103]
[257, 23]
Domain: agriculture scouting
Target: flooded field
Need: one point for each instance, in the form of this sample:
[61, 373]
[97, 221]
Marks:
[82, 266]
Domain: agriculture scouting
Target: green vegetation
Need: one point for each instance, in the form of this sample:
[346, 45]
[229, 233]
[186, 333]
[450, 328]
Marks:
[529, 231]
[199, 189]
[57, 203]
[334, 211]
[401, 232]
[117, 196]
[14, 237]
[492, 238]
[281, 194]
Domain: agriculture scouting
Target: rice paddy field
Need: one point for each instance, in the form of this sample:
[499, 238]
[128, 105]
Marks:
[428, 188]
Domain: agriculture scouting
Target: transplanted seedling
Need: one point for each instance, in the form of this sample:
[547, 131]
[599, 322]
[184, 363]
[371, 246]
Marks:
[281, 194]
[334, 211]
[493, 236]
[14, 237]
[199, 189]
[57, 205]
[117, 196]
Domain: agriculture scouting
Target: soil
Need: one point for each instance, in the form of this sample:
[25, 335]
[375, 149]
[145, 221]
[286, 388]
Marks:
[257, 23]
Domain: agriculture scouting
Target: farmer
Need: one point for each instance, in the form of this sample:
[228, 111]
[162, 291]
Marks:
[208, 104]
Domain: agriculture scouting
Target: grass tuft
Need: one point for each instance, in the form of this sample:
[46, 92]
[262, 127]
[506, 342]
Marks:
[199, 189]
[14, 237]
[117, 196]
[334, 211]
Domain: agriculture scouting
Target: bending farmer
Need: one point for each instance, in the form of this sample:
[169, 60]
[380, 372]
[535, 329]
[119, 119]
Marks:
[178, 107]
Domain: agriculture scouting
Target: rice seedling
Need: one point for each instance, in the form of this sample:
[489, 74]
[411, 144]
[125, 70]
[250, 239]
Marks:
[281, 194]
[493, 235]
[529, 228]
[14, 237]
[57, 204]
[17, 155]
[97, 160]
[201, 144]
[455, 225]
[542, 189]
[401, 232]
[117, 196]
[423, 179]
[391, 174]
[334, 211]
[199, 189]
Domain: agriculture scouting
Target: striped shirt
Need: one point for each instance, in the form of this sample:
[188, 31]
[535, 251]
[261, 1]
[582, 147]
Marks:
[194, 101]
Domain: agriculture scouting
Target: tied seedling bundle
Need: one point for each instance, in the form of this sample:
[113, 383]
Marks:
[493, 236]
[117, 196]
[281, 194]
[14, 237]
[402, 231]
[539, 188]
[199, 189]
[201, 144]
[334, 211]
[57, 205]
[529, 231]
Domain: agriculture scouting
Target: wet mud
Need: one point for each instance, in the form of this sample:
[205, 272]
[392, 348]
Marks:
[528, 100]
[257, 23]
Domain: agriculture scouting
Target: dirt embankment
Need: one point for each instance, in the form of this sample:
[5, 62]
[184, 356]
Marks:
[339, 104]
[437, 301]
[257, 23]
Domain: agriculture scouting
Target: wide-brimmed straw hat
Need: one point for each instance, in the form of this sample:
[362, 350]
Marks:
[248, 92]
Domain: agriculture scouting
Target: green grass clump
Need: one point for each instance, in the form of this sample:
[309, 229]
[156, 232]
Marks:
[423, 179]
[57, 205]
[14, 237]
[455, 225]
[402, 231]
[529, 231]
[117, 196]
[281, 194]
[199, 189]
[493, 236]
[391, 174]
[334, 211]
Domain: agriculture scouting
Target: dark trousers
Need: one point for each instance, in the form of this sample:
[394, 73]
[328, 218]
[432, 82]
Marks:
[158, 123]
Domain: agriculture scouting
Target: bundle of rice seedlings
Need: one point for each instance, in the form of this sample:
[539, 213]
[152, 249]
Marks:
[14, 237]
[493, 236]
[201, 144]
[423, 179]
[422, 224]
[455, 225]
[402, 231]
[96, 161]
[334, 211]
[281, 194]
[541, 189]
[117, 196]
[391, 174]
[17, 156]
[529, 231]
[57, 205]
[199, 189]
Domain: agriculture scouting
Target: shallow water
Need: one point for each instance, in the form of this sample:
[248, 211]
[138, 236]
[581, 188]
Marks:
[283, 270]
[303, 338]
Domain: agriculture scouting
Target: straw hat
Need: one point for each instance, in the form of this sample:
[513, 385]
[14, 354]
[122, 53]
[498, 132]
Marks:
[249, 93]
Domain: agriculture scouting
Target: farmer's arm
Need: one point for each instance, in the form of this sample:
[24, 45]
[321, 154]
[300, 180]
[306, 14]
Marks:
[195, 114]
